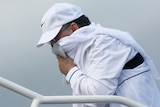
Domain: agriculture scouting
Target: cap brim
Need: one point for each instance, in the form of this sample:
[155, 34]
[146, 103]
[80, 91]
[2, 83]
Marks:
[48, 36]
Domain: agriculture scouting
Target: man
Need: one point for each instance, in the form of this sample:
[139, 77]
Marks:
[98, 60]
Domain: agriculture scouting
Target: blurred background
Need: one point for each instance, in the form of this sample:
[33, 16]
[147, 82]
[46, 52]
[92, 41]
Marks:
[36, 68]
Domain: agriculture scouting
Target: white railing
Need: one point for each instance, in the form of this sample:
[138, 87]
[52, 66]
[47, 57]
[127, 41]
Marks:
[38, 99]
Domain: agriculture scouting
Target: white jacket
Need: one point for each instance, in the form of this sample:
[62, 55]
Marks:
[100, 55]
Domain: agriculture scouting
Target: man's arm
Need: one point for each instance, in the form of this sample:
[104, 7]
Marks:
[105, 62]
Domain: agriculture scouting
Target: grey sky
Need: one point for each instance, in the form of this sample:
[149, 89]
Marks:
[36, 68]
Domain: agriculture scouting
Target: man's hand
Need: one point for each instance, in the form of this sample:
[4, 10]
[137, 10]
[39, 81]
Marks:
[65, 64]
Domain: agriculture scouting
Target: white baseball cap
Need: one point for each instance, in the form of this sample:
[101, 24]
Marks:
[53, 20]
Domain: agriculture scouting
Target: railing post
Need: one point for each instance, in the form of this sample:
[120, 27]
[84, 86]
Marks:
[35, 102]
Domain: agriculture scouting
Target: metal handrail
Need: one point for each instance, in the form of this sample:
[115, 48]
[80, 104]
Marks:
[38, 99]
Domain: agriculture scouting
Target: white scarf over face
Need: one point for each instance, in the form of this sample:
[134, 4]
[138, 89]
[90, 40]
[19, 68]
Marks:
[76, 44]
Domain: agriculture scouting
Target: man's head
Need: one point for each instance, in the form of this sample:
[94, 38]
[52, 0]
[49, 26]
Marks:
[61, 20]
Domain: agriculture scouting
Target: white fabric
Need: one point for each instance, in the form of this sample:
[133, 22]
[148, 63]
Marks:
[90, 33]
[100, 55]
[57, 50]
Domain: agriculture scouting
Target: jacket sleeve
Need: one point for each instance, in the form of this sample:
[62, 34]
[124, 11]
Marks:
[104, 62]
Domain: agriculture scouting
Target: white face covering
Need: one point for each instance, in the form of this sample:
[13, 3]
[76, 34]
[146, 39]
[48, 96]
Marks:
[57, 50]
